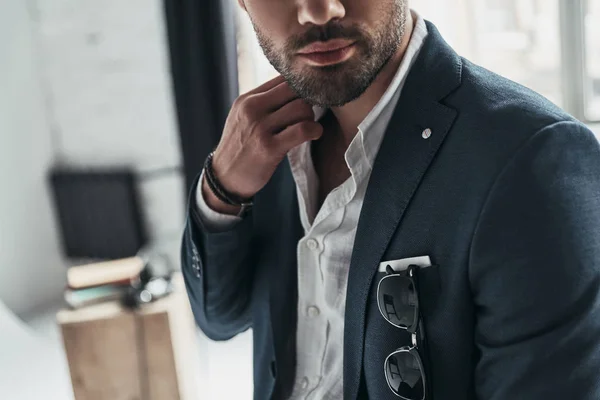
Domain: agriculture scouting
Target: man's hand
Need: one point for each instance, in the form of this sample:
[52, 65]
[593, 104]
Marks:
[262, 126]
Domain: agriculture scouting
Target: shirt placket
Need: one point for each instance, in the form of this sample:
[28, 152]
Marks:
[315, 318]
[320, 357]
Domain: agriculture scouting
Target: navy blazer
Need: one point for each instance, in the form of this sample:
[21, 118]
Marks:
[505, 199]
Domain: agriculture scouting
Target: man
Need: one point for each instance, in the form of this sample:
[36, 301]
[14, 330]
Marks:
[379, 144]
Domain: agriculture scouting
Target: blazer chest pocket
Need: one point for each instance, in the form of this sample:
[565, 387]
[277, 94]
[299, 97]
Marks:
[430, 287]
[382, 338]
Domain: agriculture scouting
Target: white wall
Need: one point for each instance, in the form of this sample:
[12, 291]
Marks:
[31, 269]
[105, 64]
[84, 83]
[105, 67]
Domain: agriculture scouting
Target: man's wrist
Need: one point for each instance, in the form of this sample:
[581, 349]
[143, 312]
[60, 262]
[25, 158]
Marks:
[224, 195]
[215, 203]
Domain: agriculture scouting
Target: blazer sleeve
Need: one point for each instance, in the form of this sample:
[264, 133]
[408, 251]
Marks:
[535, 272]
[218, 268]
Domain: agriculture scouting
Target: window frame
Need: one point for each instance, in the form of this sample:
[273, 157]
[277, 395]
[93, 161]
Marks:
[576, 93]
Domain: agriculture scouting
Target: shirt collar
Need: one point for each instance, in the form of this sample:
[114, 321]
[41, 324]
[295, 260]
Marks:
[363, 149]
[372, 129]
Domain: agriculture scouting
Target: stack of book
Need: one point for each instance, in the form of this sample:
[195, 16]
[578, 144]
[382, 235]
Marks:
[101, 282]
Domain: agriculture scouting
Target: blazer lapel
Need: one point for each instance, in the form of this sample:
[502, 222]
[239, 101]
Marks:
[284, 223]
[403, 159]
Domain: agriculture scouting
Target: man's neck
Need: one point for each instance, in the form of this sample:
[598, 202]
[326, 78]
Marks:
[352, 114]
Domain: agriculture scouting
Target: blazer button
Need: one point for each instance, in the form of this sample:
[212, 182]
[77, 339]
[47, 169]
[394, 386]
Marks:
[273, 369]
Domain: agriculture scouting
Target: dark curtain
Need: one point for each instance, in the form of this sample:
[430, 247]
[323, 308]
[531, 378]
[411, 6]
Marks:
[203, 55]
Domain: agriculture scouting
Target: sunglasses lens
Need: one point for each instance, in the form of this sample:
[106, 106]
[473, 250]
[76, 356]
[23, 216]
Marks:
[404, 375]
[397, 300]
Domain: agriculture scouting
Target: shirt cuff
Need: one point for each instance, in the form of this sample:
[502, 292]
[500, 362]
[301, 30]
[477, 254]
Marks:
[213, 220]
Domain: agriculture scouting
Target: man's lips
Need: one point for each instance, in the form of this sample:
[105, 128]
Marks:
[323, 47]
[327, 53]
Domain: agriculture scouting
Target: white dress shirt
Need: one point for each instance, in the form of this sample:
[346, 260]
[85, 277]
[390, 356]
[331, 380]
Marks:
[324, 252]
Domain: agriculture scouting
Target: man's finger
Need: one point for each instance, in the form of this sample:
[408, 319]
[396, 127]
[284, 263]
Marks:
[290, 114]
[277, 97]
[297, 134]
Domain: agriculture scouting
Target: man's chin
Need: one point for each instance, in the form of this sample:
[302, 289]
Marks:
[328, 86]
[329, 98]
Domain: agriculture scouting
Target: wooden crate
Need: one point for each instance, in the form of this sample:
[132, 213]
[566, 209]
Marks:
[118, 354]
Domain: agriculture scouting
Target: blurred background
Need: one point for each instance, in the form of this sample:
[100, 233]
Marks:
[107, 111]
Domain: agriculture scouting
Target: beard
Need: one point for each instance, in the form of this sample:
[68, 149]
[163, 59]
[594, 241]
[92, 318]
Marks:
[339, 84]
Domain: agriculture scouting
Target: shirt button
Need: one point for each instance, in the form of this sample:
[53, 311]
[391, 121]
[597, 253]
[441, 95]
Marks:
[313, 311]
[304, 383]
[312, 244]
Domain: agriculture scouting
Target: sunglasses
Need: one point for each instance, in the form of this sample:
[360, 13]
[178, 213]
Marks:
[398, 303]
